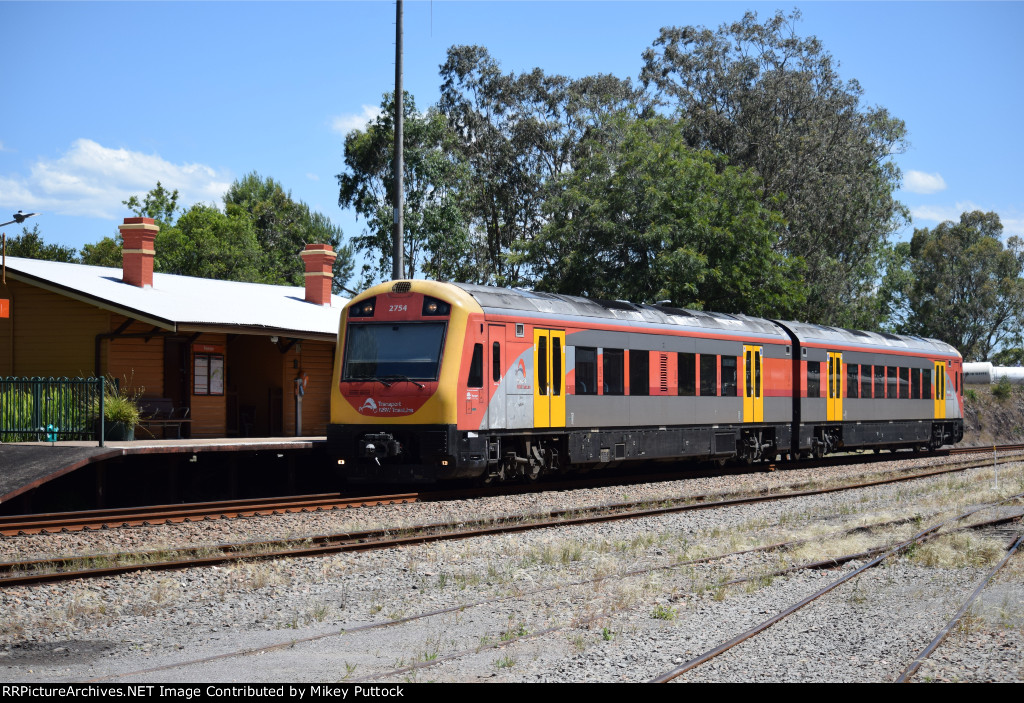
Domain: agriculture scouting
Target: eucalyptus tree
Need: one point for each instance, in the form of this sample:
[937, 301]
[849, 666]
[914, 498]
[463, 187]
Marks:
[773, 101]
[643, 217]
[436, 237]
[963, 285]
[516, 132]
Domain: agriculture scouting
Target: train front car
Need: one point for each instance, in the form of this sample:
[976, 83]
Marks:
[868, 390]
[394, 405]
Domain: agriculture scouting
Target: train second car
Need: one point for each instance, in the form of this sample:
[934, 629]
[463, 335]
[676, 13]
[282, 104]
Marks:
[439, 381]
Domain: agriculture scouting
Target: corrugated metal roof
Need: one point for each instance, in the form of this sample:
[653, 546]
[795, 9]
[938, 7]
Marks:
[187, 303]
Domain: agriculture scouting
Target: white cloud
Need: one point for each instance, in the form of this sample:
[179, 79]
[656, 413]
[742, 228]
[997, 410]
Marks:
[91, 180]
[312, 177]
[924, 183]
[344, 124]
[942, 213]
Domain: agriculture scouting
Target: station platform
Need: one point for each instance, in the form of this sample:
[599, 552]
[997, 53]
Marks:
[27, 465]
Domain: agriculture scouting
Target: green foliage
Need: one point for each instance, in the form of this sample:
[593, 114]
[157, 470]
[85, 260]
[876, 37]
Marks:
[961, 285]
[1002, 389]
[1013, 356]
[257, 238]
[515, 133]
[643, 217]
[30, 245]
[16, 411]
[435, 237]
[770, 100]
[106, 252]
[971, 395]
[158, 203]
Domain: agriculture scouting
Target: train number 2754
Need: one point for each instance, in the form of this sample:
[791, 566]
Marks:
[398, 308]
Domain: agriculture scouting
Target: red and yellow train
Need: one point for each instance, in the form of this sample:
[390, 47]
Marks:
[444, 380]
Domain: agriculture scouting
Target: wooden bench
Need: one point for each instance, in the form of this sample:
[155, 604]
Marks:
[160, 412]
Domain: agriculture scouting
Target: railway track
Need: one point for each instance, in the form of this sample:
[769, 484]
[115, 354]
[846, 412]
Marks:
[44, 523]
[99, 565]
[919, 538]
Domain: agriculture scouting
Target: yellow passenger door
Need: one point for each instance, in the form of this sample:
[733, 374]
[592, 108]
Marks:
[548, 378]
[753, 372]
[835, 387]
[940, 389]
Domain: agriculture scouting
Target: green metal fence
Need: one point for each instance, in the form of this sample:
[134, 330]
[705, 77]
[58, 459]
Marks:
[51, 409]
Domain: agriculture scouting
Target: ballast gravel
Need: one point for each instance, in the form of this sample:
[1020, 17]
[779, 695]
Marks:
[548, 605]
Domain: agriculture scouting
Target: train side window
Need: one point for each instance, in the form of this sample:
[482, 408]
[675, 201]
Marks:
[891, 389]
[852, 382]
[813, 379]
[904, 382]
[926, 384]
[687, 373]
[556, 366]
[496, 362]
[614, 372]
[542, 366]
[476, 368]
[586, 371]
[879, 382]
[915, 384]
[729, 376]
[708, 374]
[639, 372]
[865, 380]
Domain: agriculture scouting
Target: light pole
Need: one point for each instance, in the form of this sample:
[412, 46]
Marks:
[19, 218]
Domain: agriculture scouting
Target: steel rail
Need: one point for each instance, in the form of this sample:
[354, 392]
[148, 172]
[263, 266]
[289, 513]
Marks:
[378, 539]
[535, 591]
[43, 523]
[909, 672]
[761, 627]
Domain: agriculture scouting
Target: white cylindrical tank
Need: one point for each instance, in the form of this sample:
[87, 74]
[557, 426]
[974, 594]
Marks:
[978, 372]
[983, 372]
[1013, 374]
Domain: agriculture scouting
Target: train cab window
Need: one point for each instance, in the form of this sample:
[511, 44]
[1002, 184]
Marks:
[687, 364]
[542, 366]
[852, 382]
[729, 376]
[496, 362]
[708, 374]
[813, 379]
[476, 368]
[904, 382]
[614, 372]
[556, 366]
[639, 372]
[915, 384]
[891, 388]
[865, 380]
[586, 371]
[879, 382]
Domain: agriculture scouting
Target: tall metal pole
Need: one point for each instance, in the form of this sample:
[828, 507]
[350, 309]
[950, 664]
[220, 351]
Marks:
[397, 262]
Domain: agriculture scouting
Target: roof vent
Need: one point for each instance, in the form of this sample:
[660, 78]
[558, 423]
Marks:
[402, 287]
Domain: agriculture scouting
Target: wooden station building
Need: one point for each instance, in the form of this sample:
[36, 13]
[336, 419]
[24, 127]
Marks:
[230, 352]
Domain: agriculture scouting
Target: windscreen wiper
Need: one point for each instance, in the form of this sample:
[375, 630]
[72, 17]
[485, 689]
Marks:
[371, 378]
[399, 377]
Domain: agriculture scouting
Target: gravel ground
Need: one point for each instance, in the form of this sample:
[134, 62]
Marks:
[513, 588]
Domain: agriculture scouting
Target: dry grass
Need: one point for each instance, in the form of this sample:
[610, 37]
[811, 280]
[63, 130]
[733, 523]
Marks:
[959, 551]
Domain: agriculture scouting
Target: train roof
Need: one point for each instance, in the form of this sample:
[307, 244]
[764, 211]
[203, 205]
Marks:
[555, 304]
[839, 336]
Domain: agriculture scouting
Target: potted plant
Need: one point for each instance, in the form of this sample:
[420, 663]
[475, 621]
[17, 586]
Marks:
[120, 411]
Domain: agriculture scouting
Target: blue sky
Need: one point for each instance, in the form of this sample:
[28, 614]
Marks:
[104, 99]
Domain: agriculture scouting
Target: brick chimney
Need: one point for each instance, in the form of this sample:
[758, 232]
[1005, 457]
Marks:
[319, 259]
[138, 252]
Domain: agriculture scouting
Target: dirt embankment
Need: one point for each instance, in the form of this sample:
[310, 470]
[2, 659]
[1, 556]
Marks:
[992, 420]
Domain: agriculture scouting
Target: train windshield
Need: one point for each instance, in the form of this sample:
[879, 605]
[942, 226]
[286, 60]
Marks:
[393, 351]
